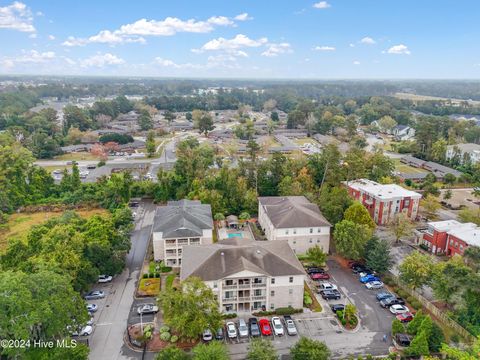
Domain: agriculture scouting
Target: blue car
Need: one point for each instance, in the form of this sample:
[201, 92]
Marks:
[384, 295]
[368, 278]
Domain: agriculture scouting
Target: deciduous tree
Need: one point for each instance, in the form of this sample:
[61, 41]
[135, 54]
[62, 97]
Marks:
[416, 269]
[309, 349]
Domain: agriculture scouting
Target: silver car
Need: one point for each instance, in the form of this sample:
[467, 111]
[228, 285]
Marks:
[242, 328]
[291, 328]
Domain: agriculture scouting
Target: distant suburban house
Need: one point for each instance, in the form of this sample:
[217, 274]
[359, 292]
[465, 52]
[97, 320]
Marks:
[403, 132]
[383, 202]
[436, 169]
[294, 219]
[463, 152]
[449, 237]
[179, 223]
[246, 275]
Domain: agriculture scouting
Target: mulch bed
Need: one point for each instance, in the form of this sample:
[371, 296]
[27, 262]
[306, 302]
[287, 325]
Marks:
[156, 344]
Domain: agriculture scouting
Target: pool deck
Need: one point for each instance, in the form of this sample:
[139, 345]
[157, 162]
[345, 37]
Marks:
[225, 233]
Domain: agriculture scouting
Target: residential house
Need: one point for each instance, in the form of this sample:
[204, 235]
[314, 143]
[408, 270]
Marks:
[294, 219]
[464, 152]
[180, 223]
[246, 275]
[383, 202]
[403, 132]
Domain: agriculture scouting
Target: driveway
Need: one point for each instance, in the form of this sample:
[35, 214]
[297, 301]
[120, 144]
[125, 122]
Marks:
[111, 319]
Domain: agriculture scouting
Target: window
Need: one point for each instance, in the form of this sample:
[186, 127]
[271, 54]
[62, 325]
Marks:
[290, 279]
[257, 292]
[318, 241]
[272, 280]
[311, 231]
[272, 306]
[228, 282]
[319, 230]
[286, 232]
[310, 241]
[290, 291]
[294, 241]
[215, 285]
[294, 231]
[272, 293]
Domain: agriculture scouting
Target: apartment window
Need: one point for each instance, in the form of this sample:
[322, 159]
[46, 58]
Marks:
[257, 292]
[290, 279]
[310, 241]
[272, 280]
[461, 247]
[290, 291]
[294, 231]
[272, 293]
[319, 230]
[318, 241]
[272, 306]
[311, 231]
[215, 285]
[228, 282]
[286, 232]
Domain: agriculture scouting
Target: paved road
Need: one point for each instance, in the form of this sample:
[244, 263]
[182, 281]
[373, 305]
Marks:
[106, 343]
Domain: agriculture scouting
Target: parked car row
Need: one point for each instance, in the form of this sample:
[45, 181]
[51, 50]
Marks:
[254, 328]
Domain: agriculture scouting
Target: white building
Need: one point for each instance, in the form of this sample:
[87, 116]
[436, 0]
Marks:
[294, 219]
[464, 150]
[247, 276]
[403, 132]
[180, 223]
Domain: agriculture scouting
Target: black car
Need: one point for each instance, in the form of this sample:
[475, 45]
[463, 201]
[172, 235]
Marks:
[386, 303]
[287, 317]
[331, 294]
[315, 270]
[219, 334]
[253, 327]
[337, 307]
[358, 268]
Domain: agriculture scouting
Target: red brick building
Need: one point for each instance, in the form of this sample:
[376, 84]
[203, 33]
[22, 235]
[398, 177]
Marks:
[384, 201]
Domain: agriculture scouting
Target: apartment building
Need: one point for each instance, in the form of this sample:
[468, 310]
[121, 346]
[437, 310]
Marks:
[247, 276]
[464, 153]
[294, 219]
[180, 223]
[383, 202]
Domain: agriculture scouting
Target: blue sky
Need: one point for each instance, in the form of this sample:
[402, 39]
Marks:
[242, 39]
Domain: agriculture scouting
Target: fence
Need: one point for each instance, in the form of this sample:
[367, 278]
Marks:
[439, 314]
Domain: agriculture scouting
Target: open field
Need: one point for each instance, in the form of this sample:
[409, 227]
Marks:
[303, 141]
[18, 225]
[415, 97]
[77, 156]
[404, 168]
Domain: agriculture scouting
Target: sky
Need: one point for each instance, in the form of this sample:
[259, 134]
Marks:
[334, 39]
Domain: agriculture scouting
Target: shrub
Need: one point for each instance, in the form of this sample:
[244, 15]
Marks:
[165, 269]
[101, 163]
[416, 304]
[287, 311]
[165, 336]
[145, 276]
[307, 299]
[229, 316]
[164, 328]
[174, 339]
[157, 275]
[402, 293]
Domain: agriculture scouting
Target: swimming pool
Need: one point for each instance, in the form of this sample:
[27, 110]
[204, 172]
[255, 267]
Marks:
[232, 235]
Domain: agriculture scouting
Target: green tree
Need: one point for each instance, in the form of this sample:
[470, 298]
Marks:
[447, 195]
[333, 202]
[386, 124]
[190, 309]
[203, 121]
[252, 149]
[453, 353]
[150, 144]
[401, 226]
[431, 206]
[172, 353]
[414, 325]
[416, 269]
[469, 215]
[350, 239]
[377, 255]
[358, 214]
[316, 256]
[169, 116]
[261, 349]
[213, 351]
[309, 349]
[418, 346]
[145, 120]
[274, 116]
[450, 278]
[397, 327]
[449, 179]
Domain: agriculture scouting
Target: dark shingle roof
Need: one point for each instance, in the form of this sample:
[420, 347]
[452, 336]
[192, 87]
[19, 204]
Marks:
[292, 212]
[183, 218]
[228, 257]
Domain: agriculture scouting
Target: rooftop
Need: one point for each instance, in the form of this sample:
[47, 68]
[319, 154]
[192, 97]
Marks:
[469, 147]
[447, 225]
[381, 191]
[471, 235]
[292, 212]
[229, 257]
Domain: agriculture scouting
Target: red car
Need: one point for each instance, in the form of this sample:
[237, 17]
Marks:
[405, 317]
[320, 276]
[265, 327]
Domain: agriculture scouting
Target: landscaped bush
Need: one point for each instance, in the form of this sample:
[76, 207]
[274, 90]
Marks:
[402, 293]
[229, 316]
[174, 339]
[409, 299]
[416, 304]
[164, 328]
[287, 311]
[157, 275]
[165, 269]
[307, 299]
[165, 336]
[145, 276]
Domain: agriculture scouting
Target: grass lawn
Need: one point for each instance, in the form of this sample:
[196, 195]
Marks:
[60, 167]
[401, 167]
[169, 280]
[303, 141]
[316, 307]
[18, 225]
[77, 156]
[149, 287]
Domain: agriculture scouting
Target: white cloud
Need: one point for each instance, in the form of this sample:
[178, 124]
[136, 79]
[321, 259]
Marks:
[324, 48]
[33, 36]
[101, 60]
[16, 16]
[356, 62]
[28, 57]
[135, 31]
[399, 50]
[321, 5]
[277, 49]
[243, 17]
[51, 37]
[368, 40]
[231, 46]
[352, 45]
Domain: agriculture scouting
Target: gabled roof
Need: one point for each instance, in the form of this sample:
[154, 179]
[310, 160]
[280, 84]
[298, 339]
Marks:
[184, 218]
[292, 212]
[229, 257]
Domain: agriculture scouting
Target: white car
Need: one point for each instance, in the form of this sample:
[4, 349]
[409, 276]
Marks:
[57, 172]
[92, 308]
[277, 326]
[231, 330]
[207, 335]
[87, 330]
[398, 309]
[374, 285]
[327, 286]
[147, 309]
[104, 278]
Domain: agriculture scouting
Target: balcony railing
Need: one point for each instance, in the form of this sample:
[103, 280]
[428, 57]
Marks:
[226, 287]
[244, 298]
[261, 297]
[259, 285]
[229, 299]
[244, 286]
